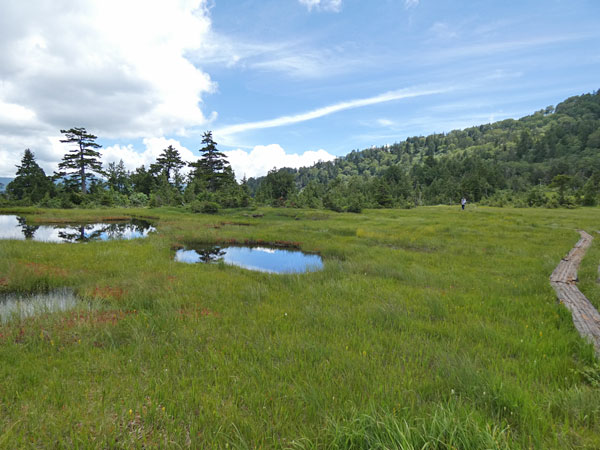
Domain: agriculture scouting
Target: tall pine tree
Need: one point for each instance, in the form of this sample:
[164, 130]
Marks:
[210, 168]
[81, 160]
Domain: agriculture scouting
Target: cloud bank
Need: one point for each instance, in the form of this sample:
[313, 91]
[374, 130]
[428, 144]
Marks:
[265, 157]
[117, 68]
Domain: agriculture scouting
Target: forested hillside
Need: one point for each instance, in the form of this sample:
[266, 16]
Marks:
[549, 158]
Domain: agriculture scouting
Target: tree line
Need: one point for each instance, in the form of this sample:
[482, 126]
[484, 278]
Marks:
[548, 159]
[82, 181]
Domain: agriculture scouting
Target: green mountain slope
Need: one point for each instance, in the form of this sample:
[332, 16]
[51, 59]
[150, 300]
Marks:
[510, 160]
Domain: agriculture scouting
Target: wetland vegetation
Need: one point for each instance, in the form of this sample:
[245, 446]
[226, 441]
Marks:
[429, 326]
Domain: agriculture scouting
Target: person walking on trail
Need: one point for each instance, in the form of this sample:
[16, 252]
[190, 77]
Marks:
[463, 202]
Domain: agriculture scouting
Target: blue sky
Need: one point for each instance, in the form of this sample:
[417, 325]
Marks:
[285, 82]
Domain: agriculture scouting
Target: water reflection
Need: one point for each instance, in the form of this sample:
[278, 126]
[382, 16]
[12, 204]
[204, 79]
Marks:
[15, 306]
[28, 230]
[14, 227]
[262, 259]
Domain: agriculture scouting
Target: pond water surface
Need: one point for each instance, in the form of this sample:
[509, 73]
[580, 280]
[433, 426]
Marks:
[14, 306]
[262, 259]
[15, 227]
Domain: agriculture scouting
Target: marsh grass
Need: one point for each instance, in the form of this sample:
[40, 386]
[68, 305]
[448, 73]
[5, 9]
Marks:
[427, 328]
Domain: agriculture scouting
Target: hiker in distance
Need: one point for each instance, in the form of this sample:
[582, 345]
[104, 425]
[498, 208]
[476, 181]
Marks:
[463, 202]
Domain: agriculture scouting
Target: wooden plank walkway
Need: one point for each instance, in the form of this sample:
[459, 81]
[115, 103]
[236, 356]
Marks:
[585, 317]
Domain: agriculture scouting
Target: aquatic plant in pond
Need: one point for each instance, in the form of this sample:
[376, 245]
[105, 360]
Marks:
[14, 306]
[262, 259]
[15, 227]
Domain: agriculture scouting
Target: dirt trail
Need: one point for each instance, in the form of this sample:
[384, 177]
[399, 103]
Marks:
[585, 317]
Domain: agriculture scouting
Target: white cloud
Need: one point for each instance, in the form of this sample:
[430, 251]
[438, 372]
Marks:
[320, 112]
[326, 5]
[264, 157]
[116, 68]
[411, 3]
[133, 159]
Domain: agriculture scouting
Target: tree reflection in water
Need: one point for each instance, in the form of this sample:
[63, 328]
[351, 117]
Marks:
[210, 254]
[16, 227]
[104, 232]
[28, 230]
[80, 233]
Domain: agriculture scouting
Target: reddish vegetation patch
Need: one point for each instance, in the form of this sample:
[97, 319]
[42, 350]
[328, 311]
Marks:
[3, 281]
[20, 335]
[196, 312]
[239, 224]
[110, 317]
[260, 242]
[44, 269]
[59, 330]
[108, 292]
[116, 219]
[222, 224]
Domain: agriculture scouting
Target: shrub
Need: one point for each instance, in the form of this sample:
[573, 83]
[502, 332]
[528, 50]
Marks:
[355, 205]
[204, 207]
[210, 208]
[138, 199]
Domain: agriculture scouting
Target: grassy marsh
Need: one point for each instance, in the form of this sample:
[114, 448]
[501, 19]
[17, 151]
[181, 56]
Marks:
[429, 325]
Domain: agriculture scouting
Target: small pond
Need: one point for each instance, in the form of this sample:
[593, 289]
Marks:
[15, 227]
[21, 306]
[262, 259]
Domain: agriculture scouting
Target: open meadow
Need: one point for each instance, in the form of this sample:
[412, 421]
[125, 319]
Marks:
[426, 326]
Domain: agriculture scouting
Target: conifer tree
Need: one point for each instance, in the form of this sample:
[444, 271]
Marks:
[82, 159]
[168, 163]
[211, 166]
[117, 177]
[30, 181]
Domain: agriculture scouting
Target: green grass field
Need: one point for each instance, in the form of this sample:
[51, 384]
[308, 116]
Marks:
[428, 328]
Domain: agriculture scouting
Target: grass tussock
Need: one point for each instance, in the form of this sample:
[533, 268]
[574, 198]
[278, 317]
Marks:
[448, 427]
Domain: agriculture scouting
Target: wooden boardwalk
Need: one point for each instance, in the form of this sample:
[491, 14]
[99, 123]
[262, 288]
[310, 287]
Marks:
[585, 317]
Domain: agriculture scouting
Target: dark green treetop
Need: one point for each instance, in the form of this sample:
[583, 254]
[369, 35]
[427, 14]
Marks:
[210, 168]
[81, 159]
[117, 177]
[168, 163]
[30, 181]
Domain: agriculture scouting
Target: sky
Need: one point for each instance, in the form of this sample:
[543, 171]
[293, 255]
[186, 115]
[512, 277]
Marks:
[280, 83]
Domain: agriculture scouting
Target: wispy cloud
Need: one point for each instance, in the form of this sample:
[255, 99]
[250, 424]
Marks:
[325, 5]
[301, 58]
[508, 46]
[443, 31]
[408, 4]
[325, 111]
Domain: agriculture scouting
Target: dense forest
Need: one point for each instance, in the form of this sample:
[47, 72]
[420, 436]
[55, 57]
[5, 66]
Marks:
[549, 159]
